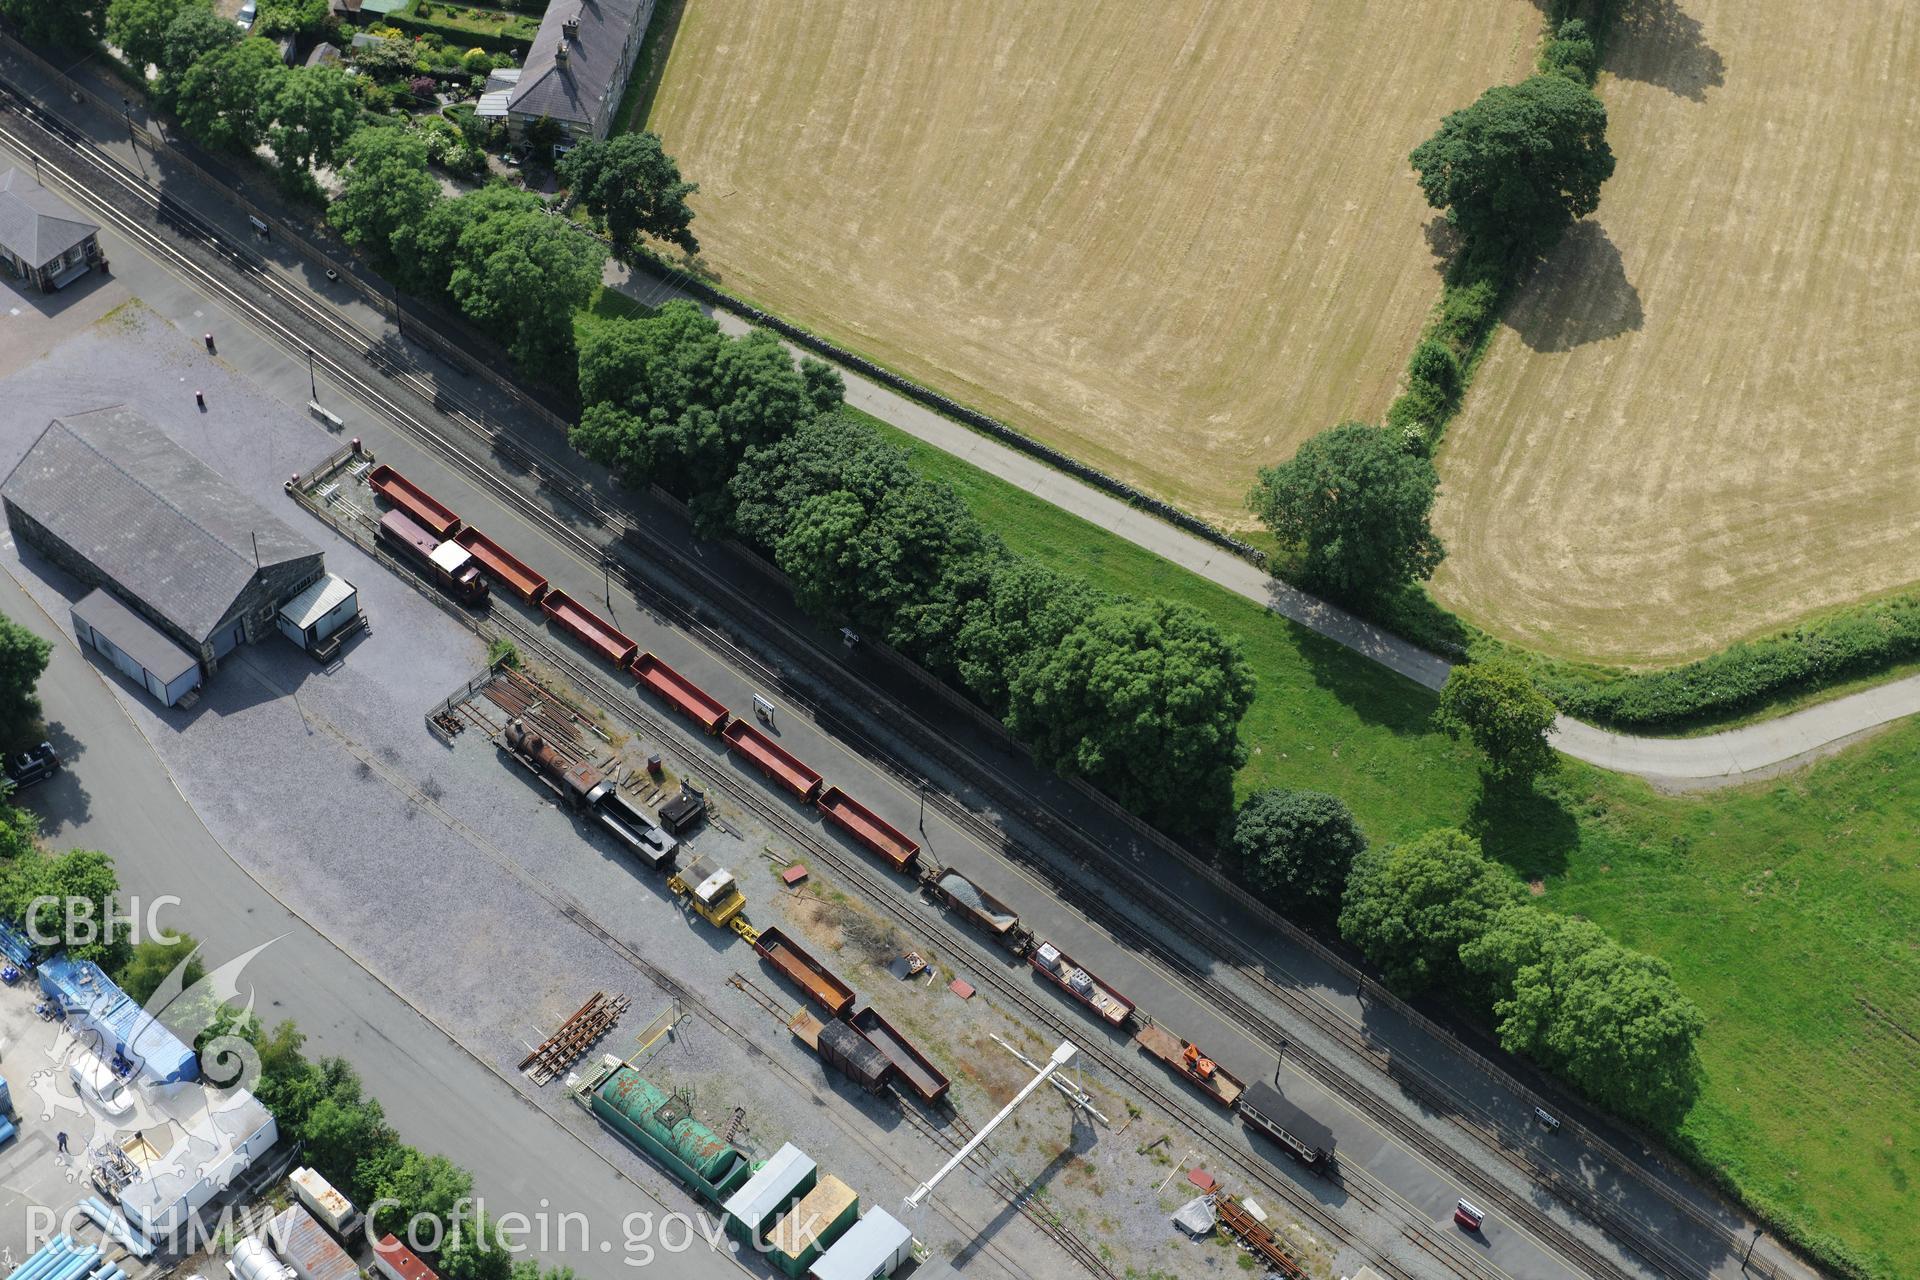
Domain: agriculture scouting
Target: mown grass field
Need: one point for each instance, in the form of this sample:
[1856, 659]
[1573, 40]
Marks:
[1696, 424]
[1171, 239]
[1789, 910]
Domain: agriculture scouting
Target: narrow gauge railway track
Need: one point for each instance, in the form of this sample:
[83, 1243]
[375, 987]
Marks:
[986, 1165]
[1078, 1249]
[379, 354]
[937, 929]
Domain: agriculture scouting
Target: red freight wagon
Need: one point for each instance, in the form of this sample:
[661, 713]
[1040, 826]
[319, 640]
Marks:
[680, 693]
[920, 1074]
[867, 828]
[588, 627]
[803, 971]
[427, 511]
[772, 759]
[502, 565]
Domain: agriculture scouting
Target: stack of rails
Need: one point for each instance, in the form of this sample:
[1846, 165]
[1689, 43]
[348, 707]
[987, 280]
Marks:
[576, 1035]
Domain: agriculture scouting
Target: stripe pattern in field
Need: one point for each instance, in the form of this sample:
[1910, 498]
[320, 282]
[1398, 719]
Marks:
[1699, 421]
[1172, 239]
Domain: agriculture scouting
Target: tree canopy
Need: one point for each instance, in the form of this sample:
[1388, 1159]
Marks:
[386, 196]
[139, 27]
[196, 30]
[673, 401]
[222, 95]
[151, 961]
[1517, 167]
[1357, 502]
[516, 271]
[1411, 906]
[634, 188]
[312, 112]
[1144, 699]
[23, 660]
[1498, 706]
[1608, 1019]
[68, 24]
[1297, 847]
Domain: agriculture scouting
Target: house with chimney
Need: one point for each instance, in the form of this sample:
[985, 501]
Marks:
[576, 72]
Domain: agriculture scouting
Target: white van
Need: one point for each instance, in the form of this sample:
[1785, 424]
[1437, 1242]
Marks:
[95, 1082]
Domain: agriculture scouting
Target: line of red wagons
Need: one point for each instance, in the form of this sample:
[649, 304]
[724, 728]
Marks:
[1260, 1105]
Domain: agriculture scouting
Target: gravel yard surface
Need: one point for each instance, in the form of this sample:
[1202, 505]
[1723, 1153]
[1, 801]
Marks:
[450, 873]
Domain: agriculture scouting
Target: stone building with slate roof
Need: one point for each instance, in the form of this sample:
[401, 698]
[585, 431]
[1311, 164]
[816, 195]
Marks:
[576, 72]
[111, 499]
[43, 240]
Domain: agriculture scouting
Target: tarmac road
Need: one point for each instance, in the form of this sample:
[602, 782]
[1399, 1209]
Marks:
[113, 794]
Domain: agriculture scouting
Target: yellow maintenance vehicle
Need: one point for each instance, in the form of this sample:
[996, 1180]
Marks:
[714, 895]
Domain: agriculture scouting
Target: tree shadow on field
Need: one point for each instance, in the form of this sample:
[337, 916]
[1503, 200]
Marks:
[1579, 294]
[1655, 42]
[1529, 828]
[1443, 242]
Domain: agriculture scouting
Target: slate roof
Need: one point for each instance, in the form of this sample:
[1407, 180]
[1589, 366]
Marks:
[575, 92]
[135, 636]
[151, 517]
[35, 224]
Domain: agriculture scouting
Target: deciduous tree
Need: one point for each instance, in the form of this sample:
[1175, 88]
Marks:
[1144, 699]
[1023, 614]
[516, 271]
[67, 24]
[1411, 906]
[386, 197]
[1297, 847]
[222, 93]
[674, 402]
[312, 112]
[634, 188]
[1610, 1020]
[1357, 502]
[23, 659]
[195, 31]
[1522, 163]
[138, 28]
[152, 960]
[1498, 706]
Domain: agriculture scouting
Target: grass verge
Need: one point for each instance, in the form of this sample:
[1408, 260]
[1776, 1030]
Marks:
[1787, 909]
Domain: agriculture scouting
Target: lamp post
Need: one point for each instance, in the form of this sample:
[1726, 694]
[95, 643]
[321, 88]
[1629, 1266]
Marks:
[313, 385]
[923, 806]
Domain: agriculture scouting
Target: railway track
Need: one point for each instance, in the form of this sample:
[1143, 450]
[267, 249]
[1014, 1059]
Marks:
[853, 870]
[1329, 1021]
[289, 301]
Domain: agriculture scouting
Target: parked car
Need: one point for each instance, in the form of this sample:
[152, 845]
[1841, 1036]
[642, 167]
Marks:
[29, 767]
[96, 1083]
[244, 19]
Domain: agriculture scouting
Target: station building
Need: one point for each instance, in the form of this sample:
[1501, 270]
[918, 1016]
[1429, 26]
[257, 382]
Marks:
[185, 567]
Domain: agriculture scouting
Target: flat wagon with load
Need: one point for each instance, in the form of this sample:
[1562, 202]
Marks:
[982, 910]
[1195, 1067]
[1057, 967]
[868, 829]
